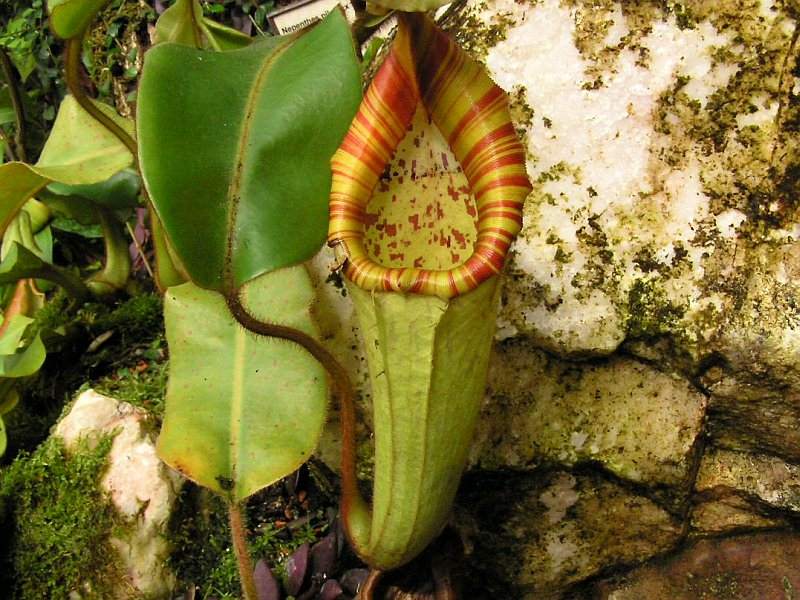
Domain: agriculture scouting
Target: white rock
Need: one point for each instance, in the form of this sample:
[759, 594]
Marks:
[139, 485]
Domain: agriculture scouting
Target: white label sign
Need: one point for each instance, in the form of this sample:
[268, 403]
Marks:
[302, 14]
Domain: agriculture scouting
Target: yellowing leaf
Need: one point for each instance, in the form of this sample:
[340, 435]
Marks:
[242, 410]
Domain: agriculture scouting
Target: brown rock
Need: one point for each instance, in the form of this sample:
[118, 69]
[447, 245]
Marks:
[749, 567]
[731, 513]
[535, 535]
[638, 423]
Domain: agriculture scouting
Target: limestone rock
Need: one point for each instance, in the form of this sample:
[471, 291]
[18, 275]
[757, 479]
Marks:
[139, 485]
[636, 422]
[663, 172]
[762, 566]
[535, 535]
[765, 478]
[727, 513]
[753, 412]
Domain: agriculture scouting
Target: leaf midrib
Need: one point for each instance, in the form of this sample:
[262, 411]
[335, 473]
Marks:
[234, 189]
[237, 401]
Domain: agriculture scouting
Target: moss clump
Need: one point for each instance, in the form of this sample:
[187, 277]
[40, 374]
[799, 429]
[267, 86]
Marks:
[650, 313]
[143, 384]
[58, 524]
[521, 112]
[472, 32]
[139, 317]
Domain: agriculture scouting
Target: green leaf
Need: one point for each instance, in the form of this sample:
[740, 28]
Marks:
[70, 18]
[21, 263]
[12, 336]
[225, 38]
[16, 362]
[121, 190]
[242, 411]
[427, 360]
[70, 225]
[25, 362]
[184, 23]
[239, 171]
[79, 151]
[408, 5]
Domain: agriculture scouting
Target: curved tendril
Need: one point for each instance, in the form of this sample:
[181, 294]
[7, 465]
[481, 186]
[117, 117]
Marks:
[72, 69]
[342, 387]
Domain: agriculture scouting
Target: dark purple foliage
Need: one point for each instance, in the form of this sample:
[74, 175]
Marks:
[142, 234]
[353, 579]
[323, 556]
[296, 568]
[266, 585]
[312, 593]
[331, 590]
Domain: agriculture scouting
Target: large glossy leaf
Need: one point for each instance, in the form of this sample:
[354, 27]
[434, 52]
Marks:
[79, 151]
[70, 18]
[242, 410]
[184, 23]
[238, 171]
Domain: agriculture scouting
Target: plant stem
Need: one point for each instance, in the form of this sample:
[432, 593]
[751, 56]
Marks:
[16, 103]
[370, 585]
[72, 69]
[239, 539]
[71, 284]
[117, 267]
[8, 146]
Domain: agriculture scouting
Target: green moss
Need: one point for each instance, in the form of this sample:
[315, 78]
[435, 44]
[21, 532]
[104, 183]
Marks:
[521, 112]
[650, 312]
[562, 256]
[472, 33]
[59, 523]
[594, 19]
[143, 385]
[558, 171]
[743, 166]
[138, 317]
[115, 50]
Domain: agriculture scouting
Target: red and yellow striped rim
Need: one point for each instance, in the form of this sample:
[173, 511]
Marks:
[471, 112]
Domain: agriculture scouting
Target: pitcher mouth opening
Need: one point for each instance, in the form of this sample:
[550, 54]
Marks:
[427, 74]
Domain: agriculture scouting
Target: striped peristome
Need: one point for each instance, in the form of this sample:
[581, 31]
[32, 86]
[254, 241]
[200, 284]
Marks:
[425, 65]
